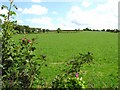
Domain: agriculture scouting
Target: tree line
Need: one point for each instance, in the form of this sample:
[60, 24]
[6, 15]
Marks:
[105, 30]
[20, 29]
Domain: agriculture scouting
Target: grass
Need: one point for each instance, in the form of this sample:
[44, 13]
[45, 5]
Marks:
[60, 48]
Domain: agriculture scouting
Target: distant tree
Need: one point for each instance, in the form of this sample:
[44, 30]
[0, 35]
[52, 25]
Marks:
[33, 30]
[116, 30]
[103, 30]
[30, 30]
[47, 30]
[58, 30]
[112, 30]
[26, 28]
[90, 29]
[39, 30]
[43, 30]
[86, 29]
[108, 30]
[76, 30]
[19, 29]
[36, 30]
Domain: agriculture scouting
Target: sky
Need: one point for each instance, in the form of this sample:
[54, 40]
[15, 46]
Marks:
[66, 14]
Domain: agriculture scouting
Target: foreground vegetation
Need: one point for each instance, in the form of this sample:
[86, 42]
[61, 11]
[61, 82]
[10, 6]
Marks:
[60, 48]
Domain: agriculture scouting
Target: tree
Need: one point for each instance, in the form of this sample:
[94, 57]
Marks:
[76, 30]
[26, 28]
[87, 29]
[43, 30]
[108, 30]
[39, 30]
[47, 30]
[58, 30]
[32, 30]
[116, 30]
[103, 30]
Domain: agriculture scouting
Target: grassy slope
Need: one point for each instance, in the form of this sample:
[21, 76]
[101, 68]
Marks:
[59, 48]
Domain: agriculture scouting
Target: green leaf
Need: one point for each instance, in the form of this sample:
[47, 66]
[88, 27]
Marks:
[4, 7]
[15, 6]
[12, 13]
[2, 15]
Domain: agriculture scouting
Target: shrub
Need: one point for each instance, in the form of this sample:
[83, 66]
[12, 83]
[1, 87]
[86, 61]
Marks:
[71, 76]
[21, 69]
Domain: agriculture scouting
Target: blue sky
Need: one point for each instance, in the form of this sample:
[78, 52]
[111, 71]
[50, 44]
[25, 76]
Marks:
[74, 14]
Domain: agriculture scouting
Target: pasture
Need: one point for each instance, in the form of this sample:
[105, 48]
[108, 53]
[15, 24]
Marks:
[62, 47]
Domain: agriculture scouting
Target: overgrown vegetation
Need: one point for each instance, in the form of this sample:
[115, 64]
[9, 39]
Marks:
[20, 66]
[71, 76]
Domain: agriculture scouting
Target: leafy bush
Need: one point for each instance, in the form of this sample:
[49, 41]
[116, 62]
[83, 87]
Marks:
[65, 81]
[21, 69]
[71, 76]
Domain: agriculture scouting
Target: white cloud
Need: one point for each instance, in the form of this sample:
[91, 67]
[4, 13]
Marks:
[3, 11]
[54, 12]
[36, 0]
[20, 9]
[43, 22]
[59, 19]
[66, 25]
[36, 9]
[103, 16]
[85, 4]
[19, 21]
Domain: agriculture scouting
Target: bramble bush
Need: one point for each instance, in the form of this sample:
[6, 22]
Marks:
[71, 76]
[21, 69]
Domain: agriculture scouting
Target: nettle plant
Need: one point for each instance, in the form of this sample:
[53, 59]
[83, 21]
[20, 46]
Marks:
[71, 76]
[21, 68]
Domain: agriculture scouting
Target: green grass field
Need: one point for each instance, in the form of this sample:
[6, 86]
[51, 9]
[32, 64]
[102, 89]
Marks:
[60, 48]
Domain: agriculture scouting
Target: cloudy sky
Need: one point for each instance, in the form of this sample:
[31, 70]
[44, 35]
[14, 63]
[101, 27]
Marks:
[67, 14]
